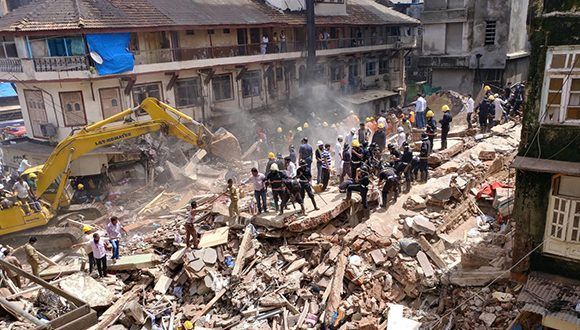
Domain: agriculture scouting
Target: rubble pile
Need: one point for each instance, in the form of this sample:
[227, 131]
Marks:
[436, 261]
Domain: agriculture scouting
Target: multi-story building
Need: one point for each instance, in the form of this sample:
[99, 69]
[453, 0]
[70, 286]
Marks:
[547, 198]
[79, 61]
[469, 42]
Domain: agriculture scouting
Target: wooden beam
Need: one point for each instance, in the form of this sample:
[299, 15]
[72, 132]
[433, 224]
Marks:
[244, 246]
[336, 286]
[18, 312]
[172, 81]
[430, 251]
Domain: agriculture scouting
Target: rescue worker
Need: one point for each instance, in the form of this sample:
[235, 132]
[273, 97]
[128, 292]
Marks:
[491, 112]
[86, 248]
[390, 182]
[401, 137]
[380, 137]
[233, 195]
[280, 162]
[469, 107]
[407, 126]
[346, 163]
[424, 157]
[32, 255]
[356, 157]
[304, 177]
[292, 154]
[305, 152]
[114, 231]
[363, 133]
[276, 181]
[271, 160]
[9, 258]
[350, 137]
[483, 110]
[360, 184]
[326, 165]
[318, 156]
[487, 91]
[445, 126]
[294, 194]
[190, 232]
[396, 154]
[290, 167]
[498, 104]
[406, 160]
[431, 128]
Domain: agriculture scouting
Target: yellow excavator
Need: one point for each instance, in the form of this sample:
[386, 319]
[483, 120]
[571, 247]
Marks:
[53, 176]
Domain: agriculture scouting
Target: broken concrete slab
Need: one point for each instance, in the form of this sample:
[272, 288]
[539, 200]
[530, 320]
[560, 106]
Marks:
[422, 225]
[163, 284]
[477, 277]
[415, 202]
[425, 264]
[209, 256]
[214, 237]
[88, 289]
[136, 261]
[226, 146]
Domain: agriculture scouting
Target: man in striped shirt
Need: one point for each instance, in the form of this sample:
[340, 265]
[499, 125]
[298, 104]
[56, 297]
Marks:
[326, 164]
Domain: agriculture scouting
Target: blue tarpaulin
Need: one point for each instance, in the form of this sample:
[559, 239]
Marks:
[6, 90]
[114, 50]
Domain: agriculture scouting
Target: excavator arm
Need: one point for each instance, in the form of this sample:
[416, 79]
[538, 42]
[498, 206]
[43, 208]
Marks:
[162, 117]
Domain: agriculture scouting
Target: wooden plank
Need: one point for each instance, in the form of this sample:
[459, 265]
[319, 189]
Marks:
[425, 264]
[214, 237]
[430, 251]
[336, 286]
[19, 313]
[241, 257]
[209, 305]
[151, 203]
[132, 262]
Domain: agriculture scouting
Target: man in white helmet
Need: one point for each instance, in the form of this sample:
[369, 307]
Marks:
[276, 182]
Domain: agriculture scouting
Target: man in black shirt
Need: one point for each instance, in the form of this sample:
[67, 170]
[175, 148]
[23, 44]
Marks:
[424, 157]
[276, 182]
[360, 184]
[445, 126]
[304, 176]
[389, 177]
[346, 163]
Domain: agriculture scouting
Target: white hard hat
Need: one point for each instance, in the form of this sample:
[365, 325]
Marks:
[274, 167]
[319, 143]
[340, 137]
[353, 130]
[400, 129]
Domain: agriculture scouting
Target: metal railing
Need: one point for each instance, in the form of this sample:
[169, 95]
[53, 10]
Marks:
[61, 63]
[10, 65]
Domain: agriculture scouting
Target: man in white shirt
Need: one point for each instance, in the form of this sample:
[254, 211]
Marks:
[114, 229]
[420, 106]
[99, 248]
[469, 107]
[350, 137]
[24, 165]
[498, 104]
[258, 180]
[401, 137]
[338, 155]
[290, 168]
[22, 191]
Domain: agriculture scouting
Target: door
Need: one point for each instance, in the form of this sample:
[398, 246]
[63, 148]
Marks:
[242, 41]
[36, 111]
[110, 101]
[255, 40]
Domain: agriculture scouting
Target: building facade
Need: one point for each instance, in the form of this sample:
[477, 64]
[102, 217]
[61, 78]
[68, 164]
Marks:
[209, 60]
[547, 200]
[466, 43]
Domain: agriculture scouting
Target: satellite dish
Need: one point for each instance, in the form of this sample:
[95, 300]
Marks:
[96, 57]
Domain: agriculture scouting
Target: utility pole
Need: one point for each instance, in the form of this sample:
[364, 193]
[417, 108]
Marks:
[311, 39]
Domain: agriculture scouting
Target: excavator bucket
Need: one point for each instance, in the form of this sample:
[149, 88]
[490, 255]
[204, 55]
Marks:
[226, 146]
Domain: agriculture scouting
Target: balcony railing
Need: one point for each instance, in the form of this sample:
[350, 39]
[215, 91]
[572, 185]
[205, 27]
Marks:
[187, 54]
[64, 63]
[10, 65]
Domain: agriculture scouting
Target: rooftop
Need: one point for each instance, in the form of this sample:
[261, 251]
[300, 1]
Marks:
[121, 15]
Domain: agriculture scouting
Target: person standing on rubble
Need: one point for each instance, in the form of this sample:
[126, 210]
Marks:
[325, 166]
[304, 177]
[86, 247]
[420, 108]
[483, 110]
[190, 232]
[338, 155]
[363, 133]
[24, 165]
[346, 163]
[233, 195]
[356, 157]
[276, 181]
[280, 162]
[305, 152]
[401, 137]
[290, 168]
[258, 182]
[114, 231]
[360, 184]
[498, 105]
[9, 258]
[292, 154]
[380, 137]
[445, 125]
[271, 160]
[99, 248]
[318, 156]
[350, 137]
[469, 107]
[32, 255]
[424, 157]
[431, 127]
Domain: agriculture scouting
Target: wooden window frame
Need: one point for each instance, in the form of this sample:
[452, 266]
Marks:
[194, 104]
[60, 94]
[141, 112]
[101, 99]
[570, 71]
[28, 110]
[231, 88]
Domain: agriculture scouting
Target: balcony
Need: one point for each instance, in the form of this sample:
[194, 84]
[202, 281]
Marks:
[64, 63]
[444, 61]
[10, 65]
[444, 16]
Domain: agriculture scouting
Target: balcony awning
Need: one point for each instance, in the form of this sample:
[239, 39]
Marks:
[368, 96]
[546, 165]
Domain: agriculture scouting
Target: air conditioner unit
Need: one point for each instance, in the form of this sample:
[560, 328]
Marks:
[48, 130]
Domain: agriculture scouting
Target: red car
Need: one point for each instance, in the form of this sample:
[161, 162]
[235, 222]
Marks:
[14, 132]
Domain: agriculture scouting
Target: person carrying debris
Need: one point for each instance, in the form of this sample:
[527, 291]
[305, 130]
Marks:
[114, 229]
[32, 255]
[424, 157]
[361, 182]
[326, 166]
[276, 181]
[305, 152]
[99, 248]
[389, 177]
[258, 182]
[190, 232]
[232, 193]
[9, 258]
[304, 177]
[445, 125]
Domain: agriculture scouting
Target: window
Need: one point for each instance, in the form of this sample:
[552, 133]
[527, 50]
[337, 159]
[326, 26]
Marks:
[226, 31]
[251, 84]
[561, 90]
[57, 46]
[490, 32]
[384, 65]
[36, 111]
[222, 87]
[211, 31]
[73, 108]
[141, 92]
[336, 72]
[189, 32]
[562, 232]
[7, 48]
[371, 68]
[110, 101]
[188, 92]
[353, 69]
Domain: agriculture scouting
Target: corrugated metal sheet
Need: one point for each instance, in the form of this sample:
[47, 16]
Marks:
[54, 15]
[549, 295]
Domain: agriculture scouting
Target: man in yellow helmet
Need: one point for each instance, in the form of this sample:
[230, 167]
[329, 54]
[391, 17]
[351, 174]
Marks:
[445, 125]
[431, 128]
[271, 160]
